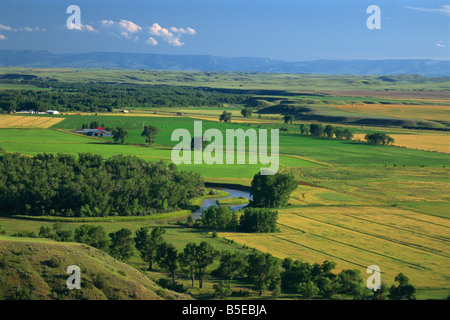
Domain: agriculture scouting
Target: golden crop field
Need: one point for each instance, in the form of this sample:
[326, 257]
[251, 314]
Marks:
[395, 239]
[426, 112]
[10, 121]
[439, 142]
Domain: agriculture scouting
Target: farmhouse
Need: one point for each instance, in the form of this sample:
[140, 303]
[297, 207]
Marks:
[99, 132]
[180, 113]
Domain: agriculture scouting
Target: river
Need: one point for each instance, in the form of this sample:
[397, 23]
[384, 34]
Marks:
[206, 203]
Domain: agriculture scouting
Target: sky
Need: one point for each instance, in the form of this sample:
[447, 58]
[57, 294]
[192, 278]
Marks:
[290, 30]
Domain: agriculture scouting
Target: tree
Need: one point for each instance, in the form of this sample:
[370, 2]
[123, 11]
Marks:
[379, 138]
[404, 290]
[258, 220]
[308, 289]
[289, 118]
[339, 133]
[121, 246]
[148, 243]
[347, 134]
[222, 290]
[119, 134]
[149, 133]
[91, 235]
[231, 264]
[188, 259]
[247, 112]
[272, 191]
[316, 129]
[262, 268]
[216, 217]
[304, 129]
[382, 293]
[204, 256]
[225, 117]
[167, 257]
[329, 131]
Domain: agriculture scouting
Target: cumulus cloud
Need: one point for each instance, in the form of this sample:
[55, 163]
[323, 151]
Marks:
[128, 28]
[83, 27]
[441, 44]
[29, 29]
[171, 36]
[107, 22]
[445, 9]
[152, 41]
[2, 37]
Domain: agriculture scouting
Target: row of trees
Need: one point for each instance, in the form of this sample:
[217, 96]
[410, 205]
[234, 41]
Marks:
[330, 131]
[97, 97]
[379, 138]
[88, 185]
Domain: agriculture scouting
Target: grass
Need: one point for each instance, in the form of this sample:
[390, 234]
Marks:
[233, 201]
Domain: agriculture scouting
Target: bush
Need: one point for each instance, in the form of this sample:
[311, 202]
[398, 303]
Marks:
[258, 220]
[272, 191]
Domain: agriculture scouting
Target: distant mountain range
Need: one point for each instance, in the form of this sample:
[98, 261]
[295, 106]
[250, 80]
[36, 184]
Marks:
[117, 60]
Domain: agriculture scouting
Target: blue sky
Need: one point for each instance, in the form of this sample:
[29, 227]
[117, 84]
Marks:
[291, 30]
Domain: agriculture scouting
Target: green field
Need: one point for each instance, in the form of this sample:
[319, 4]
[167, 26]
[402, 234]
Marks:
[356, 204]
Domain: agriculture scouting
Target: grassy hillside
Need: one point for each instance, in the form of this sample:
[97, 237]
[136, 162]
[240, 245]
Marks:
[36, 269]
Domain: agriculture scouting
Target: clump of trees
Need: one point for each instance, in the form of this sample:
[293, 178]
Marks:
[272, 191]
[88, 185]
[253, 220]
[225, 117]
[247, 112]
[379, 138]
[329, 131]
[149, 133]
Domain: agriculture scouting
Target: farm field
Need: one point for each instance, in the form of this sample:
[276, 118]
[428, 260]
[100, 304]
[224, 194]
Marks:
[356, 204]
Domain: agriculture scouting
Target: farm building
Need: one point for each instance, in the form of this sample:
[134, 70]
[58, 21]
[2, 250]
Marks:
[52, 112]
[180, 113]
[99, 132]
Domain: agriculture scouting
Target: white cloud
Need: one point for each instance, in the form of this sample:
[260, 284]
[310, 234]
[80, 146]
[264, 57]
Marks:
[445, 9]
[2, 37]
[441, 44]
[152, 41]
[29, 29]
[107, 22]
[172, 35]
[83, 27]
[7, 28]
[128, 28]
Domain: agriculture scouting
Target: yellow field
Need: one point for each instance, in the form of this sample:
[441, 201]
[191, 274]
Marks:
[439, 142]
[7, 121]
[426, 112]
[395, 239]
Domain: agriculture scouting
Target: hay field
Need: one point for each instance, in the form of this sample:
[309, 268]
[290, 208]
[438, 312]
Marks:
[13, 121]
[426, 112]
[397, 240]
[439, 142]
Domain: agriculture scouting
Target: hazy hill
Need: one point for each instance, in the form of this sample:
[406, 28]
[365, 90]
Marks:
[44, 59]
[36, 269]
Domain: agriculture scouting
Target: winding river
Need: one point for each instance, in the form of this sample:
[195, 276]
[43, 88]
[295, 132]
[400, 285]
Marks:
[206, 203]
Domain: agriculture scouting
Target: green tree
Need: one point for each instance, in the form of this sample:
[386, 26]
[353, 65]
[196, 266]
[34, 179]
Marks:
[304, 129]
[308, 289]
[121, 246]
[216, 217]
[289, 118]
[225, 117]
[258, 220]
[247, 112]
[119, 134]
[272, 191]
[147, 243]
[316, 129]
[347, 134]
[231, 264]
[150, 133]
[329, 131]
[263, 269]
[205, 255]
[379, 138]
[167, 257]
[91, 235]
[403, 290]
[222, 290]
[188, 259]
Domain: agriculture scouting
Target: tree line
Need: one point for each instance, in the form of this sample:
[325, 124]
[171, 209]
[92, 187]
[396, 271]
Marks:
[102, 97]
[329, 131]
[88, 185]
